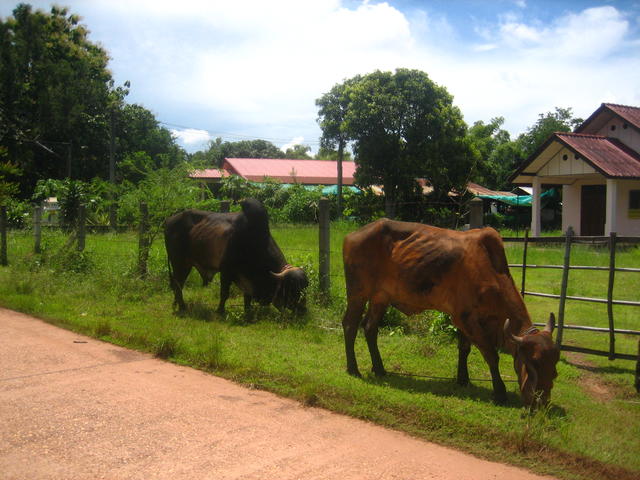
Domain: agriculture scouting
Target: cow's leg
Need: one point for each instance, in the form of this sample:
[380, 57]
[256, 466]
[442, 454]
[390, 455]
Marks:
[491, 357]
[464, 347]
[177, 277]
[225, 284]
[350, 324]
[374, 315]
[247, 304]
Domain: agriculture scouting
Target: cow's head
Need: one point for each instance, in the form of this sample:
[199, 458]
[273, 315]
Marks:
[535, 360]
[292, 282]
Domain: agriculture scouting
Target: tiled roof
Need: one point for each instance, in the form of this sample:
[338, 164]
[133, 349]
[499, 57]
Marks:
[630, 114]
[209, 173]
[476, 189]
[314, 172]
[627, 113]
[607, 155]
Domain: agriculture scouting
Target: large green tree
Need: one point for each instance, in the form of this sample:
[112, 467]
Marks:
[332, 112]
[219, 150]
[560, 120]
[59, 107]
[55, 85]
[494, 164]
[404, 126]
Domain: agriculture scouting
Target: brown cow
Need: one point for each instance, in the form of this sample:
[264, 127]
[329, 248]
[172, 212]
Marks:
[239, 246]
[416, 267]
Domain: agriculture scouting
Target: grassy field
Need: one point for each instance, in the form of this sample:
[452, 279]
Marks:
[591, 429]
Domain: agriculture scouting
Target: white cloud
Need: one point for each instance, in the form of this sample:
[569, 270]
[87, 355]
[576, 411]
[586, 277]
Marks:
[255, 68]
[191, 136]
[591, 33]
[294, 141]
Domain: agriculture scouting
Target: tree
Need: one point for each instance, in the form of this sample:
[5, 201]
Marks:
[219, 150]
[333, 107]
[561, 120]
[54, 91]
[404, 126]
[298, 152]
[490, 140]
[59, 106]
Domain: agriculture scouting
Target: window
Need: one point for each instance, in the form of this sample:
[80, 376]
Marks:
[634, 204]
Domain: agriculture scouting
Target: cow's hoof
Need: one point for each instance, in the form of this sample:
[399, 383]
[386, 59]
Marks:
[354, 373]
[379, 372]
[463, 382]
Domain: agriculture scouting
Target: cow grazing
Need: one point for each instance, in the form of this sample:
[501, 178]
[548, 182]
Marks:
[416, 267]
[240, 247]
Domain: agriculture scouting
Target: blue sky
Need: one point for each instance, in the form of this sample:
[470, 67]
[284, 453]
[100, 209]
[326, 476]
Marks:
[245, 69]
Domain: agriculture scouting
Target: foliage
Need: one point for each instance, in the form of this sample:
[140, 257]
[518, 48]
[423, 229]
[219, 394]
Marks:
[497, 155]
[219, 150]
[560, 120]
[402, 126]
[302, 205]
[59, 106]
[70, 194]
[164, 190]
[298, 152]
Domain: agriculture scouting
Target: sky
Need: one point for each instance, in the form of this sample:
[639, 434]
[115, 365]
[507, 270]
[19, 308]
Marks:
[252, 69]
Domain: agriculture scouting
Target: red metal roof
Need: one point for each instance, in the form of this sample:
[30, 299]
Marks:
[607, 155]
[314, 172]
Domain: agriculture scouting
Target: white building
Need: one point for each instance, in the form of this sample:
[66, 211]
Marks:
[598, 167]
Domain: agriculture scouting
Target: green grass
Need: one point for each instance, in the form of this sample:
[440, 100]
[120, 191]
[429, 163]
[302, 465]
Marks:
[584, 433]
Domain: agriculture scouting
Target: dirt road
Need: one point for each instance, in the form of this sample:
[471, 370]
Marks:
[72, 407]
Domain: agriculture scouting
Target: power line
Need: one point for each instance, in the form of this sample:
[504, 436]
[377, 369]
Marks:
[236, 135]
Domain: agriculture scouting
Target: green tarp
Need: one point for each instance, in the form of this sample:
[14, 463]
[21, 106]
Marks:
[519, 200]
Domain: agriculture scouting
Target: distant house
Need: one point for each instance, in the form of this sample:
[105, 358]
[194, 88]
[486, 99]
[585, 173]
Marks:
[598, 167]
[305, 172]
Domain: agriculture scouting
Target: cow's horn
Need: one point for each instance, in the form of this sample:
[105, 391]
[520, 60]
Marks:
[280, 275]
[551, 324]
[507, 333]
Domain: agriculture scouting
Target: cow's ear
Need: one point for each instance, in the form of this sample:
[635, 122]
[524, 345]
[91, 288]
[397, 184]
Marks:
[551, 324]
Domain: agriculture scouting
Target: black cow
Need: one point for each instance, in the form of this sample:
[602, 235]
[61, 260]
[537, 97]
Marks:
[240, 247]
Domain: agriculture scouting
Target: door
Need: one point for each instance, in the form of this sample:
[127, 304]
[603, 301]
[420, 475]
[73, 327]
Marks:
[593, 210]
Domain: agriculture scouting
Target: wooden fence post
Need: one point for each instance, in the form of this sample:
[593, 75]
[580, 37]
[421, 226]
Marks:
[37, 229]
[524, 261]
[224, 206]
[324, 253]
[612, 274]
[3, 236]
[81, 227]
[565, 281]
[143, 239]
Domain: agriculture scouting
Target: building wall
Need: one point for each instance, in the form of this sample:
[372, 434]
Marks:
[571, 206]
[628, 135]
[626, 225]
